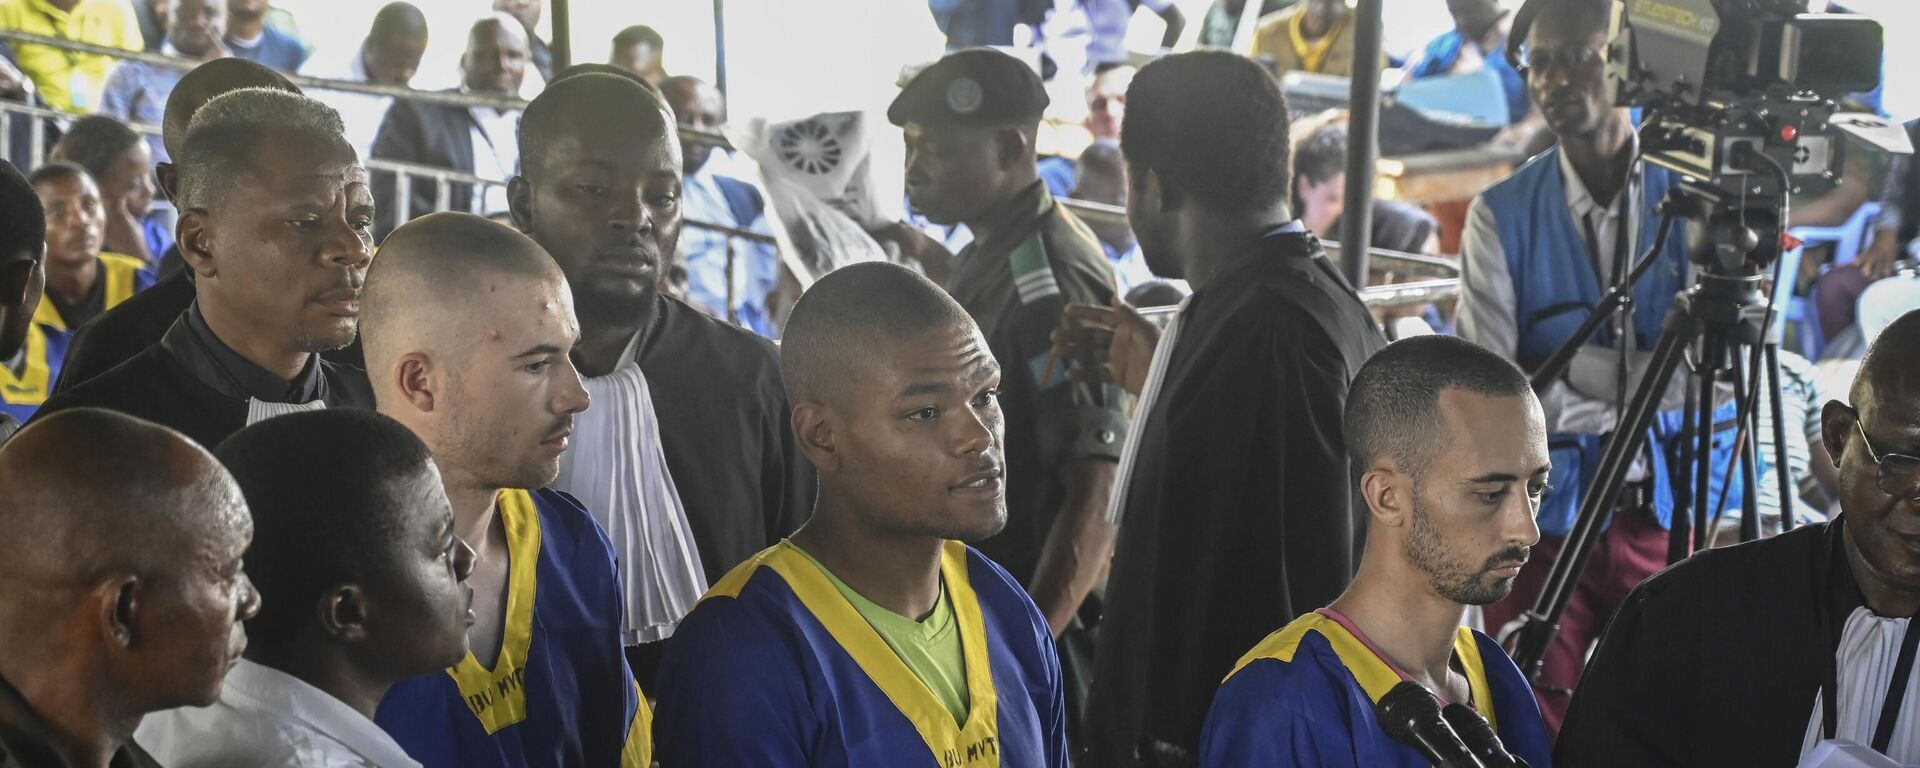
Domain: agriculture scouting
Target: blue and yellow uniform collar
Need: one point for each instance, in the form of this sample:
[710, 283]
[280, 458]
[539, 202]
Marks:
[973, 743]
[1375, 677]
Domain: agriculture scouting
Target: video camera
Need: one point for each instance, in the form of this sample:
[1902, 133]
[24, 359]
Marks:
[1739, 97]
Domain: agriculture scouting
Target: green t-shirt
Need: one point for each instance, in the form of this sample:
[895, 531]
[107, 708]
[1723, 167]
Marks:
[930, 648]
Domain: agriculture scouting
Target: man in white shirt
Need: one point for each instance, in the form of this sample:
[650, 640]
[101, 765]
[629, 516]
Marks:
[389, 56]
[364, 585]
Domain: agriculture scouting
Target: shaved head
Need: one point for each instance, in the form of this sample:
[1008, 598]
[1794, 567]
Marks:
[1891, 369]
[430, 281]
[122, 548]
[837, 320]
[468, 327]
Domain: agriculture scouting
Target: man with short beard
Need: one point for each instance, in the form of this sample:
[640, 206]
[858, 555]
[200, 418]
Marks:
[687, 457]
[469, 326]
[275, 220]
[1451, 522]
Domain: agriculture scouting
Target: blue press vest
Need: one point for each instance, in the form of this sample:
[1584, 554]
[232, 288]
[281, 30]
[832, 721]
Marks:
[1555, 286]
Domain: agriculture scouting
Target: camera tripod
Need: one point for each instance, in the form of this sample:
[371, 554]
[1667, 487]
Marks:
[1724, 318]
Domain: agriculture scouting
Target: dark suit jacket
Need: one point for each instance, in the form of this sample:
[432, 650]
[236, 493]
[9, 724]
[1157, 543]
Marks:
[438, 135]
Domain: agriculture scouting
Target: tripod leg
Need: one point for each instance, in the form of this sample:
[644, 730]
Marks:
[1747, 451]
[1780, 466]
[1703, 443]
[1678, 526]
[1542, 622]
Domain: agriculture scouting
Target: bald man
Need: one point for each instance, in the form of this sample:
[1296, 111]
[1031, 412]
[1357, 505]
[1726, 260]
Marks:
[1755, 654]
[876, 636]
[102, 627]
[275, 222]
[139, 322]
[476, 140]
[469, 326]
[361, 580]
[601, 190]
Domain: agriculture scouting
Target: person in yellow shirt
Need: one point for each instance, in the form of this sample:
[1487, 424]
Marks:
[68, 80]
[1314, 36]
[82, 281]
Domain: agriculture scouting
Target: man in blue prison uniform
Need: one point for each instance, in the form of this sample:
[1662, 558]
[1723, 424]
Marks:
[875, 637]
[469, 325]
[1450, 507]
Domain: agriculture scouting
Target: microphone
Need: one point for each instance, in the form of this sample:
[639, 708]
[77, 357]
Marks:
[1479, 737]
[1411, 715]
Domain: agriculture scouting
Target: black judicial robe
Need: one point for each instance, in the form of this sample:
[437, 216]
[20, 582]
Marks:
[126, 330]
[1240, 513]
[727, 434]
[192, 383]
[1716, 660]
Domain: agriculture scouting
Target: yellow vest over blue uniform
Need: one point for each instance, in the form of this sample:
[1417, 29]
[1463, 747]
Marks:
[1305, 696]
[125, 276]
[776, 668]
[560, 694]
[21, 394]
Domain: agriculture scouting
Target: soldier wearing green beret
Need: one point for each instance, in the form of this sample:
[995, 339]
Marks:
[970, 121]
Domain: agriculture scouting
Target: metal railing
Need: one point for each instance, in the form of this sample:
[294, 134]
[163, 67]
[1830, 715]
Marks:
[443, 179]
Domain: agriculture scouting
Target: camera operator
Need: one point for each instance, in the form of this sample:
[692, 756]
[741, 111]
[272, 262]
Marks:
[1539, 250]
[1450, 522]
[1735, 656]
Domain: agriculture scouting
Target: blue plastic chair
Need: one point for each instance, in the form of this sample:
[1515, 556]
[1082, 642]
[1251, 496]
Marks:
[1848, 239]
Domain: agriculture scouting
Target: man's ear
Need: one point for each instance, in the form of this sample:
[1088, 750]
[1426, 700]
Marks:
[520, 204]
[194, 235]
[813, 428]
[120, 603]
[1388, 494]
[1836, 426]
[343, 612]
[413, 379]
[1013, 146]
[169, 179]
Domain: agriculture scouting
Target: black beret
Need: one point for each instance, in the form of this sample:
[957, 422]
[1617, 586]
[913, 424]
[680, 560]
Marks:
[976, 86]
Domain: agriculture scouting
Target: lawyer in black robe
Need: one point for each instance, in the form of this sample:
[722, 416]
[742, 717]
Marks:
[1239, 511]
[194, 383]
[126, 330]
[1717, 660]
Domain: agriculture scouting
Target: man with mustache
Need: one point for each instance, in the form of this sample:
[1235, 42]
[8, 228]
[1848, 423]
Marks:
[124, 590]
[275, 222]
[876, 636]
[1451, 522]
[138, 323]
[1540, 248]
[687, 458]
[362, 585]
[468, 335]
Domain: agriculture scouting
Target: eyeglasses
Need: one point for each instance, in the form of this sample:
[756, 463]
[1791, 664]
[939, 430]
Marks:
[1899, 474]
[1573, 59]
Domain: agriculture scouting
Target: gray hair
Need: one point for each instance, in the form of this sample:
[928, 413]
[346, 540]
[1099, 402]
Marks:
[233, 128]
